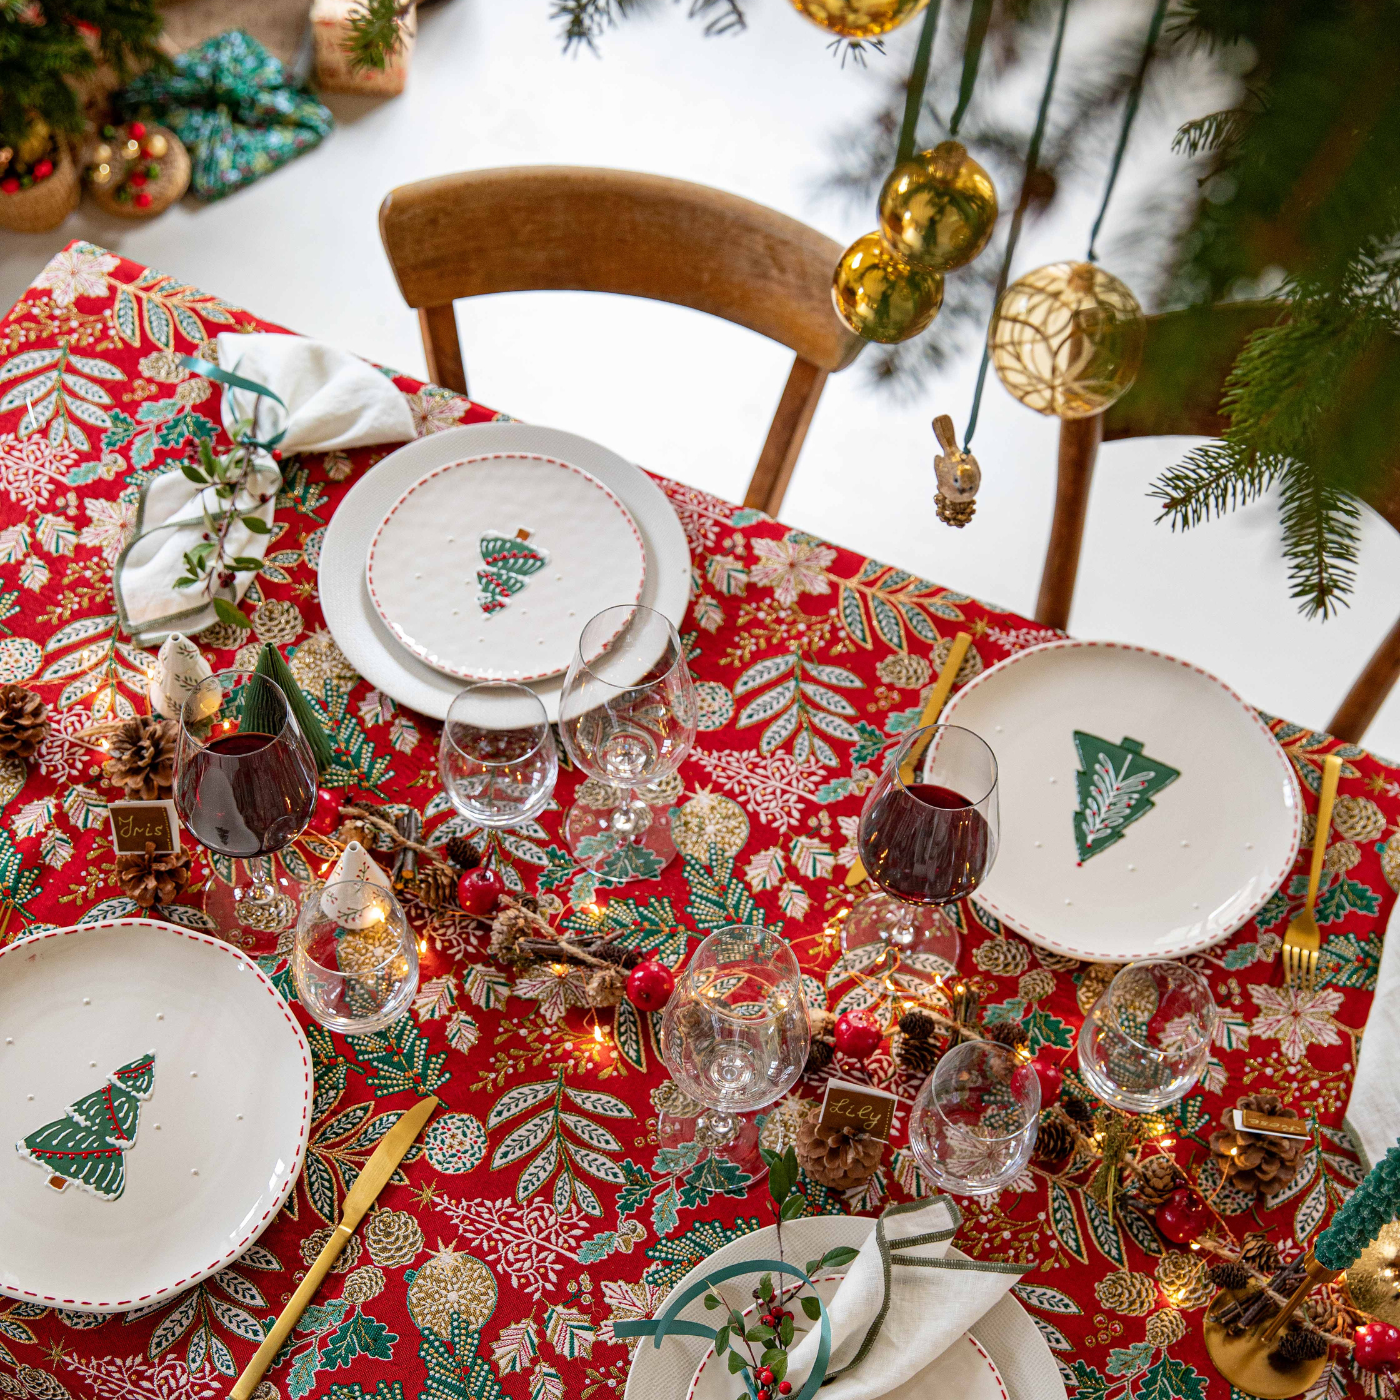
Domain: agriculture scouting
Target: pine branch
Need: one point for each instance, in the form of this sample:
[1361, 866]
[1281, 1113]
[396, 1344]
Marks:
[376, 33]
[1210, 480]
[725, 16]
[1321, 528]
[1219, 131]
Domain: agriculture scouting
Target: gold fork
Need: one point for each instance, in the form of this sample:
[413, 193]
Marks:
[1302, 941]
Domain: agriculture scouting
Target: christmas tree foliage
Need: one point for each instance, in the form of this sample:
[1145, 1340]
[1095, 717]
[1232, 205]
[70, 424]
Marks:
[88, 1145]
[1116, 784]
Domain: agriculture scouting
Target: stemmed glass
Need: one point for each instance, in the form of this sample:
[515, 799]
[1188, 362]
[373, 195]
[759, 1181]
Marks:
[1147, 1039]
[245, 788]
[928, 836]
[974, 1121]
[735, 1037]
[627, 716]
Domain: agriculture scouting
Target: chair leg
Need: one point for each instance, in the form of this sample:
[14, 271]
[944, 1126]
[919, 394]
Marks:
[441, 347]
[1079, 446]
[769, 482]
[1369, 690]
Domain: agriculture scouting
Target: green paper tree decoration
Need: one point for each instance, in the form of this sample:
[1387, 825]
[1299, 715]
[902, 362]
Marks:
[261, 718]
[1116, 784]
[1364, 1214]
[88, 1145]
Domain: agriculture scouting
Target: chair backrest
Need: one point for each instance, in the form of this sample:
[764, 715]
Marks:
[570, 228]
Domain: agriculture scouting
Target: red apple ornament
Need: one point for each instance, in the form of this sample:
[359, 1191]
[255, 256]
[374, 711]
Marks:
[1181, 1217]
[858, 1034]
[325, 815]
[650, 984]
[1377, 1347]
[479, 891]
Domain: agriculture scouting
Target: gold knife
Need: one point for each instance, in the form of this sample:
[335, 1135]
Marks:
[359, 1198]
[933, 707]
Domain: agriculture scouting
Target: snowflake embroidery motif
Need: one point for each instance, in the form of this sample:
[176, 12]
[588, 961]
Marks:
[792, 566]
[435, 409]
[30, 469]
[777, 787]
[1296, 1019]
[109, 524]
[79, 271]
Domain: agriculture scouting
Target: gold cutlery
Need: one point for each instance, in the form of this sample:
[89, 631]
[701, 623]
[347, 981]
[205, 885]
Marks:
[358, 1199]
[1302, 941]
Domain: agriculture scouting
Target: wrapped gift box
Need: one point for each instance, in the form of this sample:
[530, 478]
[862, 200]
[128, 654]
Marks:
[330, 28]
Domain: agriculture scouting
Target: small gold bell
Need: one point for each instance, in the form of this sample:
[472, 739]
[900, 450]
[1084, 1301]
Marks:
[958, 476]
[157, 146]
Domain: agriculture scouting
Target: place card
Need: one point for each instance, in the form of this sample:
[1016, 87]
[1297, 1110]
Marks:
[1248, 1121]
[136, 823]
[856, 1106]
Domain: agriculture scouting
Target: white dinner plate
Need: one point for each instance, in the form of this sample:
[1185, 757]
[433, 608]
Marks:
[359, 631]
[1146, 810]
[214, 1147]
[1017, 1353]
[488, 568]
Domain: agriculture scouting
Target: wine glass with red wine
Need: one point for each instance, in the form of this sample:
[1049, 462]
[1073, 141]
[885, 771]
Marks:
[245, 787]
[928, 836]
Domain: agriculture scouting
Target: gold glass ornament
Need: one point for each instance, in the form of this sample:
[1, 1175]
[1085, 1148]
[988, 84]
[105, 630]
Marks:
[1373, 1282]
[879, 296]
[938, 210]
[1067, 339]
[859, 19]
[156, 145]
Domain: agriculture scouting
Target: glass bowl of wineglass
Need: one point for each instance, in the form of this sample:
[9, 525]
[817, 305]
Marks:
[497, 758]
[735, 1036]
[627, 716]
[245, 788]
[928, 836]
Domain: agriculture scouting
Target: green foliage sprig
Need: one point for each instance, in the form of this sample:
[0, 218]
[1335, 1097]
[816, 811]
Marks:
[376, 33]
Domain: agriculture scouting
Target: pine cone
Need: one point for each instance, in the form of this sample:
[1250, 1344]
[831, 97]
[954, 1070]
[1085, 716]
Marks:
[1133, 1295]
[1002, 957]
[394, 1238]
[840, 1159]
[1253, 1161]
[1185, 1280]
[918, 1025]
[1327, 1314]
[142, 757]
[917, 1056]
[819, 1055]
[149, 878]
[24, 721]
[462, 853]
[435, 884]
[616, 953]
[1165, 1327]
[605, 986]
[1228, 1274]
[1260, 1253]
[1080, 1110]
[1296, 1345]
[1054, 1141]
[352, 829]
[1155, 1179]
[1009, 1033]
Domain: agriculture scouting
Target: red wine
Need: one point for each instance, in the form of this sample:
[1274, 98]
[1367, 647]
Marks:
[245, 795]
[924, 844]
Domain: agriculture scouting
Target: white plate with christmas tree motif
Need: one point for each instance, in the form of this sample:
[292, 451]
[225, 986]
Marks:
[1146, 810]
[155, 1101]
[488, 568]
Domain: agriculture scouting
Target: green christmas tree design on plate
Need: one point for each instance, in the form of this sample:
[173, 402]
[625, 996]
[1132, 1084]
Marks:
[509, 562]
[88, 1145]
[1116, 785]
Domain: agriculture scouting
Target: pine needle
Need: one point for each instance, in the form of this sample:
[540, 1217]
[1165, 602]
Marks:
[376, 33]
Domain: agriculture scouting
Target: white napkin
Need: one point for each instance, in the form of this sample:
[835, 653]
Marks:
[930, 1307]
[1373, 1115]
[333, 400]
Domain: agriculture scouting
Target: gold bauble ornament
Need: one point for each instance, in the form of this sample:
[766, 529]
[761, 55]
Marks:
[157, 146]
[859, 19]
[938, 209]
[1373, 1282]
[1067, 339]
[879, 296]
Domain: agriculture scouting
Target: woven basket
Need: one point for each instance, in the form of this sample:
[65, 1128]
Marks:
[174, 181]
[44, 205]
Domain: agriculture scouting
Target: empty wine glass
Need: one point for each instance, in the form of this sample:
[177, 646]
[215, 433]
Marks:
[355, 963]
[627, 716]
[735, 1037]
[1147, 1039]
[928, 836]
[974, 1121]
[497, 757]
[245, 787]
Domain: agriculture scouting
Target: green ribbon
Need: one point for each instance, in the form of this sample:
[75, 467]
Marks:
[236, 381]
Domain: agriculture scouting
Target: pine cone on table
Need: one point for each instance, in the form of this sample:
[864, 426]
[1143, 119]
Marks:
[149, 878]
[141, 758]
[1260, 1253]
[1012, 1034]
[1165, 1327]
[1081, 1111]
[916, 1056]
[1229, 1274]
[1328, 1314]
[435, 884]
[616, 953]
[1185, 1280]
[841, 1158]
[1155, 1179]
[1054, 1141]
[462, 853]
[918, 1025]
[1296, 1345]
[24, 721]
[1254, 1161]
[605, 986]
[819, 1055]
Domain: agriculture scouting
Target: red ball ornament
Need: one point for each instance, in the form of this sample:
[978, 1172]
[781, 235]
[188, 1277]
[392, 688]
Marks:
[137, 130]
[650, 984]
[1181, 1217]
[1377, 1346]
[136, 179]
[10, 185]
[858, 1034]
[325, 815]
[1051, 1078]
[480, 890]
[142, 200]
[43, 169]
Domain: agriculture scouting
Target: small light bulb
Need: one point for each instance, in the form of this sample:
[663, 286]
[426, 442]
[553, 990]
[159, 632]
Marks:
[598, 1034]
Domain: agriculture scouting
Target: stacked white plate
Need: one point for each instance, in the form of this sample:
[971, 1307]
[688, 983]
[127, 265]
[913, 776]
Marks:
[479, 553]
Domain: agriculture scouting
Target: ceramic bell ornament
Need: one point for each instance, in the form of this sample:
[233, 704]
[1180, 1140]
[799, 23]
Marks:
[355, 863]
[180, 667]
[958, 475]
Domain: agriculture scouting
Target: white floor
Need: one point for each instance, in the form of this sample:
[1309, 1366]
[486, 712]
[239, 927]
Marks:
[690, 396]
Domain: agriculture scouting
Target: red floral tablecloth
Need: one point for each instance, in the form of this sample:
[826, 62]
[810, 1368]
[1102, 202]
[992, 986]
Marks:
[539, 1208]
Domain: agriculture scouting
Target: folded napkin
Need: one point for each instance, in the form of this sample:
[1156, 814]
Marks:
[902, 1303]
[1373, 1115]
[330, 399]
[229, 101]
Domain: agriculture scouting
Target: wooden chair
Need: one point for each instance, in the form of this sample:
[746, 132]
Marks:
[1187, 357]
[569, 228]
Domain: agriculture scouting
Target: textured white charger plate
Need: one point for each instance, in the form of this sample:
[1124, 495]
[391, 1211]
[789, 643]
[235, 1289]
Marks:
[1202, 860]
[220, 1140]
[434, 578]
[1018, 1351]
[359, 631]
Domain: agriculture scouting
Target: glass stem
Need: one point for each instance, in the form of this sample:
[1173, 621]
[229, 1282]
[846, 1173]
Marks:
[260, 887]
[632, 816]
[715, 1128]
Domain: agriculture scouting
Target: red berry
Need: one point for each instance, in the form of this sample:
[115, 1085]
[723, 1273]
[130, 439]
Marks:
[764, 1395]
[43, 170]
[142, 200]
[136, 179]
[784, 1387]
[479, 890]
[650, 984]
[1377, 1346]
[766, 1375]
[858, 1034]
[1181, 1217]
[137, 130]
[766, 1319]
[10, 185]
